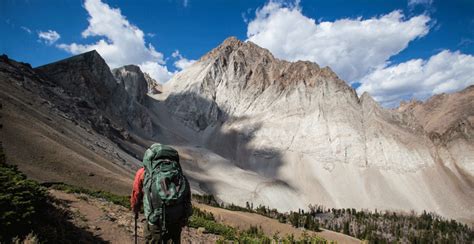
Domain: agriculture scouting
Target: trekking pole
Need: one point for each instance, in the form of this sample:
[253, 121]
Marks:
[136, 217]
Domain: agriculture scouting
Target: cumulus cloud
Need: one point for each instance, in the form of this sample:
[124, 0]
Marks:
[156, 71]
[444, 72]
[49, 37]
[351, 47]
[121, 42]
[181, 62]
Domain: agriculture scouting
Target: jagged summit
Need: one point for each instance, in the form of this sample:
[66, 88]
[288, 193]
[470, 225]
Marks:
[249, 71]
[263, 67]
[232, 44]
[243, 79]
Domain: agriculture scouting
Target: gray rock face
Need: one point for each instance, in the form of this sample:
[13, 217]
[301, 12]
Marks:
[300, 125]
[87, 77]
[133, 80]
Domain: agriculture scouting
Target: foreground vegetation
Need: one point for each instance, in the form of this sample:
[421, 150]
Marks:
[375, 227]
[203, 219]
[389, 226]
[29, 213]
[20, 200]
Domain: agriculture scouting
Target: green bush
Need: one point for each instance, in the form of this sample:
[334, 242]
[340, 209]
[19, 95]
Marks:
[206, 199]
[211, 226]
[21, 200]
[203, 214]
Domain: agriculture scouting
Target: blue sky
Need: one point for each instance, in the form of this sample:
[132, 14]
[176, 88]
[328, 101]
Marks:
[394, 50]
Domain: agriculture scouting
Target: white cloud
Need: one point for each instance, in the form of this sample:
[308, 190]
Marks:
[444, 72]
[121, 42]
[156, 71]
[49, 37]
[26, 29]
[182, 62]
[351, 47]
[412, 3]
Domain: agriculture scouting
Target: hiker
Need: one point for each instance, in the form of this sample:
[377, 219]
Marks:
[165, 193]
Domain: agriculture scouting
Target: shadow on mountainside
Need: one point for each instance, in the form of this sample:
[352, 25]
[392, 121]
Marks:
[205, 125]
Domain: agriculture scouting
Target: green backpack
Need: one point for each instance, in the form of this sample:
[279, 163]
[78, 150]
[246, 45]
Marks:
[167, 195]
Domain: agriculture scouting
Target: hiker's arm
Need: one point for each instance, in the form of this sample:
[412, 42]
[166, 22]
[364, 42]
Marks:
[137, 192]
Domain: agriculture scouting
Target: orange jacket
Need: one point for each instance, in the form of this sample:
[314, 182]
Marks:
[136, 199]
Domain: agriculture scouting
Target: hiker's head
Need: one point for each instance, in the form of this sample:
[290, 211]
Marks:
[159, 151]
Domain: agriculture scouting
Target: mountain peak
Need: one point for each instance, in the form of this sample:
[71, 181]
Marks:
[232, 41]
[90, 55]
[241, 78]
[131, 68]
[257, 65]
[134, 81]
[86, 75]
[91, 59]
[93, 53]
[231, 45]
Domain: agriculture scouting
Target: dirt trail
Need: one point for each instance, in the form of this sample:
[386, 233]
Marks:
[113, 223]
[243, 220]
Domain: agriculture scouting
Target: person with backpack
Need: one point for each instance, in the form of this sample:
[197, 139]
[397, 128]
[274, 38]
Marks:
[164, 191]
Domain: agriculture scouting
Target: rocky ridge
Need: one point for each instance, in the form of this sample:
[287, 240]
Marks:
[448, 119]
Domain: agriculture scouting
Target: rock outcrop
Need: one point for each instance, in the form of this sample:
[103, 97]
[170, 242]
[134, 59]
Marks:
[134, 81]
